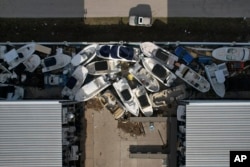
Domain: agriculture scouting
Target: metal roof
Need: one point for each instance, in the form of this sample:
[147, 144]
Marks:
[213, 129]
[30, 134]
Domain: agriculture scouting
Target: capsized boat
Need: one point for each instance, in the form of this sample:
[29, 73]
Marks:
[85, 55]
[120, 52]
[11, 92]
[92, 88]
[143, 100]
[231, 54]
[216, 76]
[161, 73]
[192, 78]
[144, 77]
[14, 57]
[125, 93]
[104, 67]
[112, 104]
[163, 56]
[55, 62]
[75, 82]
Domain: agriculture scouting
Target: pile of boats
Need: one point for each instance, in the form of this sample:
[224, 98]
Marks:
[153, 68]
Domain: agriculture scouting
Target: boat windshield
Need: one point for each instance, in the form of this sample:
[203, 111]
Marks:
[50, 61]
[71, 82]
[143, 100]
[160, 54]
[126, 94]
[114, 51]
[101, 66]
[105, 51]
[184, 72]
[159, 71]
[126, 52]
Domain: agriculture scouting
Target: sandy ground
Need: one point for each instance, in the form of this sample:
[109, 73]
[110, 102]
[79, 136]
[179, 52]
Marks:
[108, 146]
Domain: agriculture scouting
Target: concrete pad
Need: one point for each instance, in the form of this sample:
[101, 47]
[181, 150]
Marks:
[149, 162]
[89, 162]
[89, 151]
[129, 163]
[121, 8]
[125, 149]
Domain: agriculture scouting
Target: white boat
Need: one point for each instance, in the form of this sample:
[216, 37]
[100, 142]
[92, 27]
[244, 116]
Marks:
[55, 62]
[112, 104]
[192, 78]
[5, 74]
[120, 52]
[32, 63]
[231, 54]
[181, 113]
[143, 100]
[124, 91]
[161, 73]
[168, 96]
[144, 78]
[92, 88]
[104, 67]
[75, 82]
[2, 51]
[10, 92]
[85, 55]
[15, 57]
[216, 76]
[163, 56]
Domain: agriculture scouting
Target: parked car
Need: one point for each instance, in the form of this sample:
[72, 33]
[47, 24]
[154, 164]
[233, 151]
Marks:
[140, 21]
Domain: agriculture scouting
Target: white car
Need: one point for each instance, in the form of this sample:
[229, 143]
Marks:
[140, 21]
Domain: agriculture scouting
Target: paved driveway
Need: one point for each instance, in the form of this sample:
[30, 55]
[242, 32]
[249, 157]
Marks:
[41, 8]
[124, 8]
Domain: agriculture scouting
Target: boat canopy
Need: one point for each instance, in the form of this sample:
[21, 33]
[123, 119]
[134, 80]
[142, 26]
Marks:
[20, 55]
[71, 82]
[159, 71]
[126, 94]
[114, 51]
[160, 54]
[105, 50]
[143, 100]
[126, 52]
[101, 66]
[50, 61]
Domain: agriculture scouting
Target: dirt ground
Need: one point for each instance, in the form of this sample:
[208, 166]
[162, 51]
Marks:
[117, 29]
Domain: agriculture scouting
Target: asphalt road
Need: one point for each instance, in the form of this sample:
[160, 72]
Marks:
[123, 8]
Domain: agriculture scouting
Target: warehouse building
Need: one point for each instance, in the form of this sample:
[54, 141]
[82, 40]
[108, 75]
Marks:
[213, 129]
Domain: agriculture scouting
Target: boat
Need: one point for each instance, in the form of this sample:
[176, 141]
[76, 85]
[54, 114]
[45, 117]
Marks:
[112, 104]
[181, 113]
[5, 74]
[163, 56]
[2, 51]
[125, 93]
[231, 54]
[120, 52]
[14, 57]
[104, 67]
[192, 78]
[143, 100]
[32, 63]
[11, 92]
[168, 96]
[144, 78]
[160, 72]
[85, 55]
[55, 62]
[183, 55]
[92, 88]
[55, 80]
[75, 82]
[216, 76]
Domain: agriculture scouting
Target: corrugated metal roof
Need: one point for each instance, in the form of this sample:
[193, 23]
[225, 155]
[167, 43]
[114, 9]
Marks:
[215, 128]
[30, 134]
